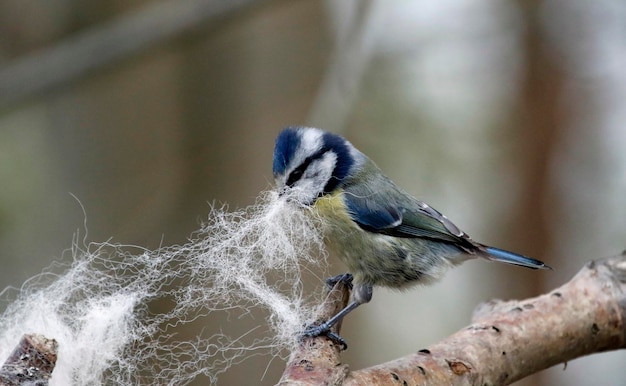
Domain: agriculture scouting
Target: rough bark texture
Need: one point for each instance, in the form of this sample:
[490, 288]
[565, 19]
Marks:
[317, 360]
[31, 362]
[506, 341]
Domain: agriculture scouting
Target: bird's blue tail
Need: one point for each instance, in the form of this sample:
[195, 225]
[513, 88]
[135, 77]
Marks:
[503, 256]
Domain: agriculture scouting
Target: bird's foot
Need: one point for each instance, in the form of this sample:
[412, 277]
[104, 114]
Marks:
[345, 278]
[323, 329]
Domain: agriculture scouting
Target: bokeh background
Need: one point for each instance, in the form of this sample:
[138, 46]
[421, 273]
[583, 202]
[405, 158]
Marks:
[508, 116]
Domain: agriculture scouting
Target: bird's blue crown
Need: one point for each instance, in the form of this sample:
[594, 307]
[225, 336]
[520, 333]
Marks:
[289, 143]
[286, 144]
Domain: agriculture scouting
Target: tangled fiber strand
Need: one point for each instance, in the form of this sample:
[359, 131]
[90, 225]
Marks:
[101, 309]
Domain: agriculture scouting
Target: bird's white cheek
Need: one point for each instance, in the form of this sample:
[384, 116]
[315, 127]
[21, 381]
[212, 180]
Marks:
[320, 172]
[309, 187]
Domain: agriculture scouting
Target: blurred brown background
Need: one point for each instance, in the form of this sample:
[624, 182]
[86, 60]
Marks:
[505, 115]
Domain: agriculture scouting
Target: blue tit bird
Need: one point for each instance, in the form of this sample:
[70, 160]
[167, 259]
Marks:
[384, 236]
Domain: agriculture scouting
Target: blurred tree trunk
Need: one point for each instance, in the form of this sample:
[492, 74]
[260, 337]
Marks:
[539, 127]
[538, 122]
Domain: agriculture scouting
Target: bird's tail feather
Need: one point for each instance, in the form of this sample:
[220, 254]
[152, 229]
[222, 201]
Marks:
[496, 254]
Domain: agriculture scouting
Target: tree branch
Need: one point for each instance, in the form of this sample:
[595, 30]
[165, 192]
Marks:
[122, 38]
[31, 362]
[506, 341]
[317, 360]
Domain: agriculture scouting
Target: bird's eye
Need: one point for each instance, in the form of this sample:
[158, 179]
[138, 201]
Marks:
[295, 176]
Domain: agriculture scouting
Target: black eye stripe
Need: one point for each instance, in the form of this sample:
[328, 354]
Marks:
[297, 173]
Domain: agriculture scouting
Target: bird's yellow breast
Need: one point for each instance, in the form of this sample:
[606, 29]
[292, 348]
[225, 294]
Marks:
[343, 236]
[333, 211]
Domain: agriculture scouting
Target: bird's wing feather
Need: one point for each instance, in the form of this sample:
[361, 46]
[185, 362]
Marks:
[387, 216]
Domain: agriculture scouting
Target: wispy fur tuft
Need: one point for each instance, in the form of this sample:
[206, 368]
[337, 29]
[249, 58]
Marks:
[99, 309]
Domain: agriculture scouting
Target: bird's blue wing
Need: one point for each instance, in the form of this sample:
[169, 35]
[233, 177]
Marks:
[411, 219]
[371, 215]
[394, 213]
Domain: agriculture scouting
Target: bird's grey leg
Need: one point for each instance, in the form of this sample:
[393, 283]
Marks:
[362, 294]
